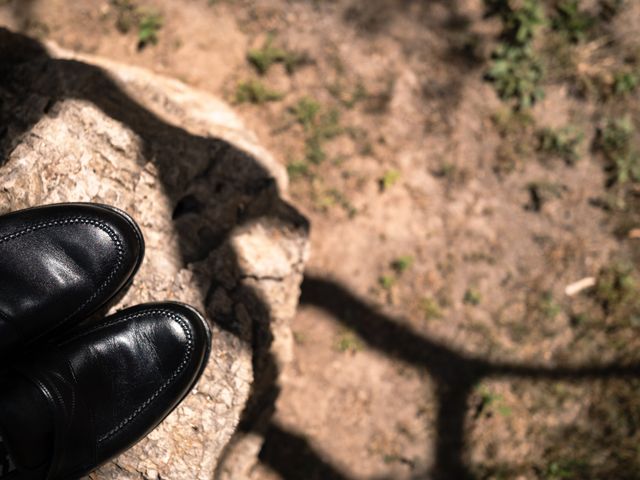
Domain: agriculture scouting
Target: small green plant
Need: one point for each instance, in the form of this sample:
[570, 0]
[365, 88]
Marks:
[298, 169]
[491, 401]
[625, 82]
[127, 15]
[430, 308]
[402, 264]
[571, 21]
[254, 91]
[516, 74]
[563, 143]
[319, 126]
[348, 341]
[325, 199]
[348, 100]
[472, 297]
[266, 56]
[387, 281]
[622, 159]
[516, 71]
[548, 307]
[512, 123]
[517, 132]
[389, 179]
[306, 111]
[617, 288]
[566, 469]
[147, 21]
[520, 20]
[149, 25]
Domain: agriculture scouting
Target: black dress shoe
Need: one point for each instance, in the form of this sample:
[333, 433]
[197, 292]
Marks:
[84, 400]
[59, 264]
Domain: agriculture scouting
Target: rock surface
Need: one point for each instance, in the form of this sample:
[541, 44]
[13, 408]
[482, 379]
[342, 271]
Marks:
[208, 198]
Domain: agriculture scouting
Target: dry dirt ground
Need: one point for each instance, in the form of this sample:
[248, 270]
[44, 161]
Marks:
[435, 338]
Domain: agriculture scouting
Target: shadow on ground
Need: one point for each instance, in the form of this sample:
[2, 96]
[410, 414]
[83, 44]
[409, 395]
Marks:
[287, 453]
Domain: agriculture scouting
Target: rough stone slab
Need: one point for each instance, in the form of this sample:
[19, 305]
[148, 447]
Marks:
[208, 199]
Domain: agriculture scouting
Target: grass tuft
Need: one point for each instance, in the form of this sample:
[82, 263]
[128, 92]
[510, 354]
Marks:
[430, 308]
[516, 74]
[389, 179]
[130, 16]
[149, 25]
[266, 56]
[349, 341]
[571, 21]
[387, 281]
[472, 297]
[516, 71]
[402, 264]
[256, 92]
[319, 126]
[617, 290]
[615, 142]
[562, 143]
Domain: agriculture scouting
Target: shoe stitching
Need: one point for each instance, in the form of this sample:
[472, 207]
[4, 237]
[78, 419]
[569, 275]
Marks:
[165, 385]
[69, 221]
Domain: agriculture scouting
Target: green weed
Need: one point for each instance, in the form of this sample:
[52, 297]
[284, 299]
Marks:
[564, 469]
[319, 126]
[516, 74]
[254, 91]
[516, 71]
[615, 142]
[348, 341]
[517, 132]
[509, 122]
[617, 289]
[571, 21]
[472, 297]
[402, 264]
[350, 99]
[520, 20]
[149, 25]
[387, 281]
[266, 56]
[548, 307]
[563, 143]
[306, 112]
[625, 82]
[492, 401]
[127, 15]
[147, 21]
[389, 179]
[298, 169]
[430, 308]
[332, 197]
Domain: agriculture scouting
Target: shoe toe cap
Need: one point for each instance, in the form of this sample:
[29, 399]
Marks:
[60, 263]
[136, 368]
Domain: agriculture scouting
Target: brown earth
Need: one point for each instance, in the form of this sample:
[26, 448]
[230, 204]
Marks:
[434, 337]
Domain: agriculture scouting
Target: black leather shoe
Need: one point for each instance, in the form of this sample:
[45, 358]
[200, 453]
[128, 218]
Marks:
[86, 399]
[59, 264]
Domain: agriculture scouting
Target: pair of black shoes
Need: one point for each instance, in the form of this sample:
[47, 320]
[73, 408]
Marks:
[72, 395]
